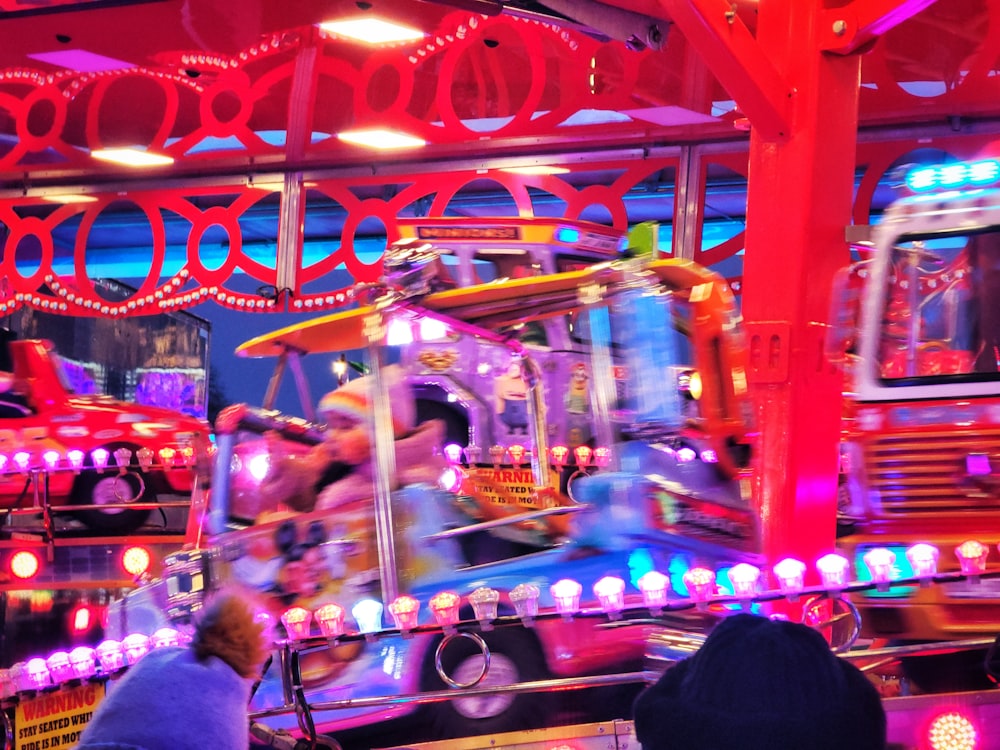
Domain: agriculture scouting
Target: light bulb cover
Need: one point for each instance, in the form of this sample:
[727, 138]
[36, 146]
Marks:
[700, 584]
[368, 614]
[923, 558]
[744, 578]
[444, 606]
[297, 622]
[485, 603]
[610, 592]
[833, 570]
[566, 594]
[653, 585]
[524, 597]
[972, 557]
[330, 618]
[405, 611]
[135, 646]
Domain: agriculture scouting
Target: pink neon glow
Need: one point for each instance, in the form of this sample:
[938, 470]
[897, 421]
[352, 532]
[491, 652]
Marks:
[331, 620]
[880, 562]
[405, 610]
[497, 452]
[972, 557]
[38, 673]
[111, 656]
[952, 731]
[602, 456]
[833, 570]
[297, 622]
[517, 453]
[3, 462]
[524, 597]
[700, 583]
[19, 676]
[136, 646]
[453, 452]
[51, 459]
[167, 456]
[485, 602]
[610, 591]
[686, 455]
[83, 660]
[560, 454]
[75, 457]
[583, 454]
[100, 458]
[451, 479]
[145, 456]
[123, 457]
[444, 606]
[923, 559]
[791, 575]
[744, 578]
[22, 460]
[60, 667]
[653, 586]
[566, 593]
[165, 637]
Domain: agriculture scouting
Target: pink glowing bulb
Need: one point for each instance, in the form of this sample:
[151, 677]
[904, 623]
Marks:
[566, 593]
[653, 586]
[833, 569]
[923, 559]
[331, 620]
[700, 584]
[405, 611]
[444, 606]
[297, 622]
[610, 591]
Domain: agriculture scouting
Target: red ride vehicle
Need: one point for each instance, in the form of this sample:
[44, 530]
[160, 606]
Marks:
[99, 455]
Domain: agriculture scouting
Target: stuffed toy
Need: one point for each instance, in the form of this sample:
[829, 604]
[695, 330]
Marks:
[193, 696]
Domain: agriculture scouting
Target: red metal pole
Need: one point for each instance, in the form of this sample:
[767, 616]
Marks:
[798, 203]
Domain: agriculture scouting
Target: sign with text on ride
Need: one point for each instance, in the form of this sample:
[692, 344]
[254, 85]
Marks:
[55, 719]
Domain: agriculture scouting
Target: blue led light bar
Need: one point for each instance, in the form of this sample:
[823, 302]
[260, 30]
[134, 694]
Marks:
[568, 235]
[960, 174]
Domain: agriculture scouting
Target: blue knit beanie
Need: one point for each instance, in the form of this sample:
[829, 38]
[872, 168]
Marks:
[760, 684]
[187, 697]
[170, 700]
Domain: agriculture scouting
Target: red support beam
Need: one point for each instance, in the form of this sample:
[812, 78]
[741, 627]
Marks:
[798, 203]
[850, 28]
[735, 59]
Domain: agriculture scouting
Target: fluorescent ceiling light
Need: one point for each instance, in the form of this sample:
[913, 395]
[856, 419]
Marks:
[69, 198]
[132, 157]
[372, 30]
[536, 169]
[381, 139]
[81, 60]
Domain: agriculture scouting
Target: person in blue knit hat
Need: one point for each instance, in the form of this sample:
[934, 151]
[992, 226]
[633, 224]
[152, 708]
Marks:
[193, 696]
[760, 684]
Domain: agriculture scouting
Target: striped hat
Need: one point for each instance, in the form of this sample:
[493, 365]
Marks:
[352, 400]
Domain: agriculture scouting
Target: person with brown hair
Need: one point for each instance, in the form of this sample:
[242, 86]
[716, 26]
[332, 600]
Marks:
[192, 696]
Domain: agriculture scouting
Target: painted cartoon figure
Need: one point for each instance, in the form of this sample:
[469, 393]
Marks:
[512, 399]
[578, 394]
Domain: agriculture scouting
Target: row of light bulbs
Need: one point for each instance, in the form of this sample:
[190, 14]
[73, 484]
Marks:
[111, 656]
[53, 460]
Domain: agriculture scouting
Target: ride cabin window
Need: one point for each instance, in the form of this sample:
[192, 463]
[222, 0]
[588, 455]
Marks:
[940, 319]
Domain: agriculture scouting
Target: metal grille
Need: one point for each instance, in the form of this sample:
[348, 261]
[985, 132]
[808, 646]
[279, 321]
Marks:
[921, 472]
